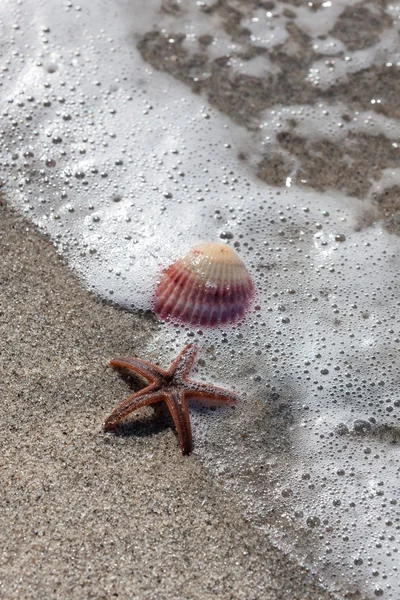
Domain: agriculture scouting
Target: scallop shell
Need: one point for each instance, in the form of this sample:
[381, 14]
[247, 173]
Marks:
[208, 286]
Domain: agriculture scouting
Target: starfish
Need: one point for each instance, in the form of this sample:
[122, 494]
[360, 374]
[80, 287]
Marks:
[173, 387]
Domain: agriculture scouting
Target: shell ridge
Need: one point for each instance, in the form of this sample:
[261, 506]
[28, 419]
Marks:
[169, 286]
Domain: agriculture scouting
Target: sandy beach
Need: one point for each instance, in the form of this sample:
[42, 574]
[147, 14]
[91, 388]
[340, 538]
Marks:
[132, 132]
[91, 515]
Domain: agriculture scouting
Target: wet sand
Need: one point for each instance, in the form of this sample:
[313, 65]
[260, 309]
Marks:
[91, 515]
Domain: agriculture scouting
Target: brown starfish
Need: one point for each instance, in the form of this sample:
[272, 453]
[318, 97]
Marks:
[173, 387]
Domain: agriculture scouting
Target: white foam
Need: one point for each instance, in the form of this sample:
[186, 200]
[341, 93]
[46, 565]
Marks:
[324, 121]
[265, 29]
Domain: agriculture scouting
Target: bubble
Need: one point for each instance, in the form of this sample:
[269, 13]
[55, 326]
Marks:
[313, 521]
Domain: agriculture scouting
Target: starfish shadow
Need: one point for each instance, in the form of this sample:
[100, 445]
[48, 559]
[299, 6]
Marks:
[149, 421]
[142, 427]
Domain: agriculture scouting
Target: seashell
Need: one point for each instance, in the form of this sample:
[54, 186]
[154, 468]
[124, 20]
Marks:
[208, 286]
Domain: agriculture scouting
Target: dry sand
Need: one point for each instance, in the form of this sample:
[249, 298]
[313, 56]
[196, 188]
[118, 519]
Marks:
[89, 515]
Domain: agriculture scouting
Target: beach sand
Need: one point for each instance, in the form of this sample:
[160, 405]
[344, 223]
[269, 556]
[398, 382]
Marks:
[91, 515]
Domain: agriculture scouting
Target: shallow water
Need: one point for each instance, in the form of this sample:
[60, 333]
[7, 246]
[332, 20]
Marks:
[133, 135]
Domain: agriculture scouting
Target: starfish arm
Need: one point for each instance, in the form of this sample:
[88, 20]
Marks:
[210, 394]
[178, 408]
[183, 363]
[137, 366]
[146, 396]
